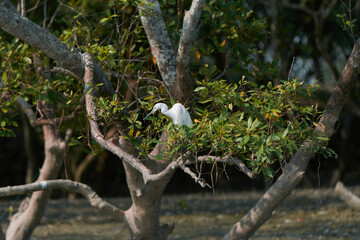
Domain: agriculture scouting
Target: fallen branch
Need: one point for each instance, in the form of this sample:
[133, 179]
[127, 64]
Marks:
[347, 196]
[66, 185]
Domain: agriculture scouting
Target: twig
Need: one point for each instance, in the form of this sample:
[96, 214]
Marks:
[197, 179]
[65, 72]
[226, 159]
[34, 121]
[23, 10]
[291, 67]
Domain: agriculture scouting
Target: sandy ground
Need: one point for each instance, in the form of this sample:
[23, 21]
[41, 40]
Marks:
[305, 214]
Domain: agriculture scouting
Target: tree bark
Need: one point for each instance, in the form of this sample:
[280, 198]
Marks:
[294, 170]
[142, 217]
[161, 47]
[27, 219]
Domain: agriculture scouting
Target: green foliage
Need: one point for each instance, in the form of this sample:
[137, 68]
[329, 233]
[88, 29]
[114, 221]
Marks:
[347, 22]
[253, 119]
[257, 124]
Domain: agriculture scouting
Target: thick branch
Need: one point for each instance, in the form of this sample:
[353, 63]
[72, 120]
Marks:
[347, 196]
[66, 185]
[38, 37]
[161, 48]
[295, 169]
[188, 34]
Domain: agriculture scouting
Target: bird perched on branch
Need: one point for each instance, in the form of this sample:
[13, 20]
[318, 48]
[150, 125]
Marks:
[178, 113]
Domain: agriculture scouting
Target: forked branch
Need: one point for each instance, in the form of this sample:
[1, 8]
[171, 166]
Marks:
[34, 121]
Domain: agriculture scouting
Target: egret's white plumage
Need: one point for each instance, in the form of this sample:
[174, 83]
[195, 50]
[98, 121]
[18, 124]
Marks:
[178, 113]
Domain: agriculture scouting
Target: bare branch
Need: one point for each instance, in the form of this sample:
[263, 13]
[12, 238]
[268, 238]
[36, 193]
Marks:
[65, 72]
[65, 185]
[197, 179]
[34, 7]
[347, 196]
[226, 159]
[34, 121]
[23, 10]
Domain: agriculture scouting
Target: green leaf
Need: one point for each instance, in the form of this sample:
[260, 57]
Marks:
[249, 123]
[285, 133]
[198, 89]
[4, 77]
[323, 138]
[159, 157]
[28, 60]
[255, 124]
[246, 139]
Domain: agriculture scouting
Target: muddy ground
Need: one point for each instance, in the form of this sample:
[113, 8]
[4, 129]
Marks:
[305, 214]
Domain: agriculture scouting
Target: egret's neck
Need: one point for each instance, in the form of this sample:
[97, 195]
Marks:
[164, 108]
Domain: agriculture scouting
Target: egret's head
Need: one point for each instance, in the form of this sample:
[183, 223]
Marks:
[156, 107]
[159, 106]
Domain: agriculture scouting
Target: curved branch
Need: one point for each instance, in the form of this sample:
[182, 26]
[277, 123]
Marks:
[66, 185]
[90, 93]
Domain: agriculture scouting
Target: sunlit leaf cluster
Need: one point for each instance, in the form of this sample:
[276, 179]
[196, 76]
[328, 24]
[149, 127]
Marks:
[257, 124]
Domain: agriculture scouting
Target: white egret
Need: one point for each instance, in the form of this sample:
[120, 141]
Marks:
[178, 113]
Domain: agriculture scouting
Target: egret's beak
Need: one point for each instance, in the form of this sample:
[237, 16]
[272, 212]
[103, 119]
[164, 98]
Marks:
[149, 114]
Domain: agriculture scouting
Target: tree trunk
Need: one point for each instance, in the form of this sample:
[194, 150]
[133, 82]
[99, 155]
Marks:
[142, 217]
[31, 210]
